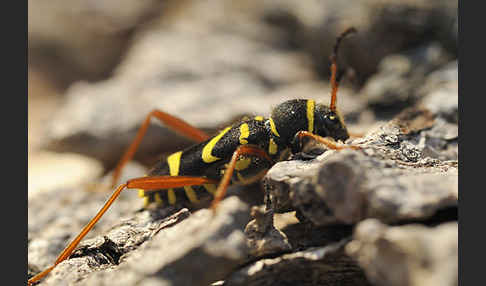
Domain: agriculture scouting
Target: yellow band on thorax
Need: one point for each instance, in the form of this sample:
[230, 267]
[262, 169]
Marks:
[310, 114]
[244, 133]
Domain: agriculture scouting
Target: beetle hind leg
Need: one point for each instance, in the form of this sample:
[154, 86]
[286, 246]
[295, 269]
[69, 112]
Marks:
[172, 122]
[145, 183]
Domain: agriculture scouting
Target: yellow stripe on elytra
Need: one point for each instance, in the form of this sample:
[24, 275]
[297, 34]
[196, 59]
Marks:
[206, 152]
[310, 114]
[244, 133]
[272, 147]
[258, 118]
[273, 128]
[191, 195]
[211, 188]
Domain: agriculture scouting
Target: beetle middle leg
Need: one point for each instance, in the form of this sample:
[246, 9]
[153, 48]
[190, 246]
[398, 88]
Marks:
[223, 185]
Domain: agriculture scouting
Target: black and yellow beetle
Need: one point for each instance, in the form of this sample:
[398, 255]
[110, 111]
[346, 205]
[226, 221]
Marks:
[239, 154]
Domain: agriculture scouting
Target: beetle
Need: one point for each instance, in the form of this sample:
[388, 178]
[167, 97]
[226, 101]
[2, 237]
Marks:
[239, 154]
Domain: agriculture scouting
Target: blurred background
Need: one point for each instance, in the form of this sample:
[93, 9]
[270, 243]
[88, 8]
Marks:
[97, 68]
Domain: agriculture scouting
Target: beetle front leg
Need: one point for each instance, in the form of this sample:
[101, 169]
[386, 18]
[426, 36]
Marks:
[298, 144]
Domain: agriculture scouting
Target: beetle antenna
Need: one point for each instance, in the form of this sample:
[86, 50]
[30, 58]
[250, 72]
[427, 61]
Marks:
[333, 58]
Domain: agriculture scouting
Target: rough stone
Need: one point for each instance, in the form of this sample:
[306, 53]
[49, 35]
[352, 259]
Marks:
[440, 92]
[57, 214]
[326, 265]
[145, 249]
[406, 255]
[262, 236]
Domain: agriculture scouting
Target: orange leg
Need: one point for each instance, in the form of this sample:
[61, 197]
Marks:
[172, 122]
[146, 183]
[223, 185]
[329, 143]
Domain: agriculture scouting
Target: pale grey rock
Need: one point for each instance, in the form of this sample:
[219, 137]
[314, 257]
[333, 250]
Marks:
[262, 236]
[406, 255]
[181, 249]
[326, 265]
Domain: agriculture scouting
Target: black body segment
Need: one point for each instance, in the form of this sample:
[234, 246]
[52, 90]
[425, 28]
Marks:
[208, 159]
[292, 116]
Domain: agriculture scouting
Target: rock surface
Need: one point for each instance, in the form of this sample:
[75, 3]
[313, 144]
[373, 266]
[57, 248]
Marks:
[406, 255]
[313, 266]
[262, 236]
[145, 249]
